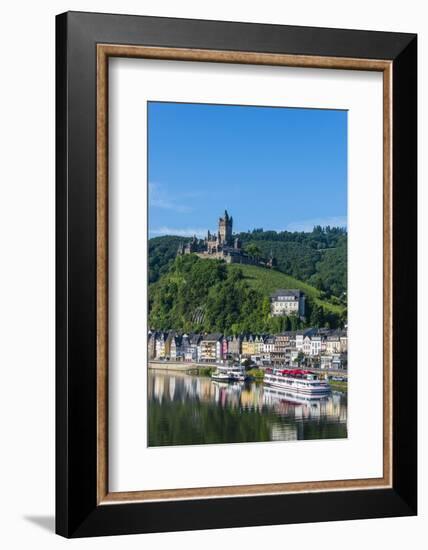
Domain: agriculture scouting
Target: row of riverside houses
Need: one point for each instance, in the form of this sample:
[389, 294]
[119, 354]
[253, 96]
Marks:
[324, 347]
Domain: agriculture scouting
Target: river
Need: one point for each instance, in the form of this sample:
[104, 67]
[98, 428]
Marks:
[190, 410]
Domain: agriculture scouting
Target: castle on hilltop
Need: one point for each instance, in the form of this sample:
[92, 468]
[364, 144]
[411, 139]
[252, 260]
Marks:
[222, 246]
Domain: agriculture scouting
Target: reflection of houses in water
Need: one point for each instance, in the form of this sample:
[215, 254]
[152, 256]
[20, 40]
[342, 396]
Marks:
[252, 397]
[178, 386]
[172, 388]
[205, 390]
[337, 409]
[256, 397]
[227, 394]
[158, 388]
[237, 395]
[189, 386]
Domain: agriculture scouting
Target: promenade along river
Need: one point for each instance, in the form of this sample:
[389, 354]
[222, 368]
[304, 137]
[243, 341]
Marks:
[189, 410]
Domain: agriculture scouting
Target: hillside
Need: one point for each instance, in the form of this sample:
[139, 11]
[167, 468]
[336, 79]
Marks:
[318, 258]
[201, 295]
[162, 251]
[267, 281]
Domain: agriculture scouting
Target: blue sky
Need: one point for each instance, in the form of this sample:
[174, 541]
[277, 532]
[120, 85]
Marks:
[275, 168]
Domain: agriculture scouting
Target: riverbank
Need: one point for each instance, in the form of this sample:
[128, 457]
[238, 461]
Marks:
[201, 369]
[195, 369]
[172, 365]
[338, 386]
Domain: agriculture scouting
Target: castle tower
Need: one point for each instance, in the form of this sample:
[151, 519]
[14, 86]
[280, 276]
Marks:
[225, 225]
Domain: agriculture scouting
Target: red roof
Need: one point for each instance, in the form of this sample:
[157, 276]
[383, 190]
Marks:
[295, 372]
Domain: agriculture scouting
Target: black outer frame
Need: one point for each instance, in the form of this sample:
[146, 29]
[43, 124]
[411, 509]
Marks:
[77, 513]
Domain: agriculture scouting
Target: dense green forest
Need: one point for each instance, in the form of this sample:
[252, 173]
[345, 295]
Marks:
[209, 295]
[162, 251]
[318, 258]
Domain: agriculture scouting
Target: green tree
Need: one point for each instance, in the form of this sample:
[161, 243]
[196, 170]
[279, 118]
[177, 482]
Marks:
[300, 358]
[253, 250]
[317, 316]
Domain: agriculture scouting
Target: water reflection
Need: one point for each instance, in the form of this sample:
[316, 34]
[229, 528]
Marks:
[185, 410]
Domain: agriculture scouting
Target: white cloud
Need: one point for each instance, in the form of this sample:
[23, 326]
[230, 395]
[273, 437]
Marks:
[308, 225]
[180, 232]
[160, 198]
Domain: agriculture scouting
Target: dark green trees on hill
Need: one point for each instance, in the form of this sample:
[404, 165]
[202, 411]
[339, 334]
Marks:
[203, 295]
[207, 295]
[162, 251]
[318, 258]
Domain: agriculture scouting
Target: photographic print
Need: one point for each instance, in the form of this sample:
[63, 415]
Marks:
[233, 253]
[247, 267]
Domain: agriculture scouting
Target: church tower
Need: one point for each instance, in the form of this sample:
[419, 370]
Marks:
[225, 225]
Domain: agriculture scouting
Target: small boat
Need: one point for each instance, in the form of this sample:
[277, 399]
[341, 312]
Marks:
[297, 381]
[229, 373]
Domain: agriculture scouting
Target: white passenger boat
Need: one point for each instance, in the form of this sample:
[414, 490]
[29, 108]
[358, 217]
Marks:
[229, 373]
[297, 381]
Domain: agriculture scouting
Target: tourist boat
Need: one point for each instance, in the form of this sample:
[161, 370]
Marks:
[298, 381]
[229, 373]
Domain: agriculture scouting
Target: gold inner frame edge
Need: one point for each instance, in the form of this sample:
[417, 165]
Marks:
[104, 51]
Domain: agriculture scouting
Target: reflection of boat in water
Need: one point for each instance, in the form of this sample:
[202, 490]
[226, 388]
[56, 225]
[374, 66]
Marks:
[231, 387]
[271, 395]
[229, 373]
[297, 381]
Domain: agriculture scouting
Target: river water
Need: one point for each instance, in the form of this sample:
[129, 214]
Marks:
[191, 410]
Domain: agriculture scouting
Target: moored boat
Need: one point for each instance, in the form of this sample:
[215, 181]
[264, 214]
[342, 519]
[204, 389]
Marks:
[298, 381]
[229, 373]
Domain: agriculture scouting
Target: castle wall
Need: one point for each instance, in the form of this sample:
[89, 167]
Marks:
[237, 258]
[241, 259]
[220, 246]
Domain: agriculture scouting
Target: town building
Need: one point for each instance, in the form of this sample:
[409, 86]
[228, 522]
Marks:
[248, 345]
[191, 347]
[269, 345]
[285, 302]
[332, 344]
[211, 348]
[307, 344]
[321, 347]
[224, 347]
[160, 345]
[316, 343]
[258, 345]
[343, 342]
[283, 345]
[168, 341]
[332, 361]
[176, 350]
[151, 345]
[300, 337]
[235, 345]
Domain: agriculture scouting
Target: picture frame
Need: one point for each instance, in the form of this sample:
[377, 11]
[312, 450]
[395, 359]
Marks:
[84, 44]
